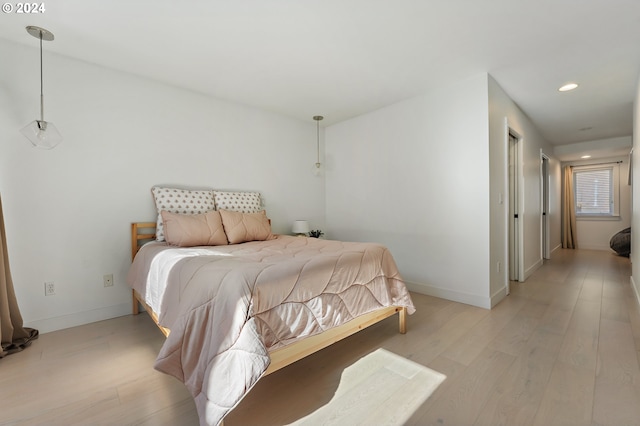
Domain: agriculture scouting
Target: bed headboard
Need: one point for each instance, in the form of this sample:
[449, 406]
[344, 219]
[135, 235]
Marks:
[140, 233]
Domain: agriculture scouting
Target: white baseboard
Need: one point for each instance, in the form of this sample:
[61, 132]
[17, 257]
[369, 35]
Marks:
[47, 325]
[556, 248]
[636, 289]
[498, 296]
[455, 296]
[528, 272]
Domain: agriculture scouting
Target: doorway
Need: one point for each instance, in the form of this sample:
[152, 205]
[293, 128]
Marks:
[544, 228]
[515, 217]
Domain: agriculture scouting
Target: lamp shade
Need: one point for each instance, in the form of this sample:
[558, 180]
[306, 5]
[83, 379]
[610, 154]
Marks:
[300, 227]
[42, 134]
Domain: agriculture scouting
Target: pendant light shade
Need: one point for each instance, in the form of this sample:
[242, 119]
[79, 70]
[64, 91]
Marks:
[41, 134]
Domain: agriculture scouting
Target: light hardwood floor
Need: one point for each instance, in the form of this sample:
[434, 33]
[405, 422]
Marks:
[562, 349]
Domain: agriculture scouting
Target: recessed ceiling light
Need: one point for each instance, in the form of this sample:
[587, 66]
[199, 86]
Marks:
[586, 156]
[567, 87]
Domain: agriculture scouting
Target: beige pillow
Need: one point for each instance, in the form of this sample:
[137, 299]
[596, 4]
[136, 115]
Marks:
[243, 227]
[188, 230]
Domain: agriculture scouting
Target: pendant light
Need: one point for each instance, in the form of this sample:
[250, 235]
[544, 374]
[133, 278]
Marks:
[318, 164]
[42, 134]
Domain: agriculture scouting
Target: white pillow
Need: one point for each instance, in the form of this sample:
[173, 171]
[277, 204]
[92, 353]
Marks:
[243, 202]
[183, 201]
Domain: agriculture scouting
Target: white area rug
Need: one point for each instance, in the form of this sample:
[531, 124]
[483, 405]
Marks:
[380, 389]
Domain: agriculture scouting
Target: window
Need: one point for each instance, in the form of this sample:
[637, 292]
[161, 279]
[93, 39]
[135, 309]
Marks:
[596, 190]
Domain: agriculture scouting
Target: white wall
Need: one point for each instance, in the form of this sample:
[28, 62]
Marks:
[635, 197]
[67, 211]
[595, 233]
[415, 177]
[504, 112]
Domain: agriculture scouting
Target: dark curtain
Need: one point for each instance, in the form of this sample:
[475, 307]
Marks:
[13, 335]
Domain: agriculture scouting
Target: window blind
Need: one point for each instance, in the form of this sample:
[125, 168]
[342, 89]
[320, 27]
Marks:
[593, 191]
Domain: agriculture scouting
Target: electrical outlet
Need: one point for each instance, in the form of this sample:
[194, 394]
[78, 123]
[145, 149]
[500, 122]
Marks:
[49, 288]
[108, 280]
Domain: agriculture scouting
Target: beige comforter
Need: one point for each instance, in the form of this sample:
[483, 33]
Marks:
[227, 306]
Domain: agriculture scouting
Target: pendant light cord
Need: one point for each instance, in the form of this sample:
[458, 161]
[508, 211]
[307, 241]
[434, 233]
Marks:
[318, 141]
[41, 83]
[41, 134]
[318, 118]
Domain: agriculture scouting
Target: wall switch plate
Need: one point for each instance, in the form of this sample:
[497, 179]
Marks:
[108, 280]
[49, 288]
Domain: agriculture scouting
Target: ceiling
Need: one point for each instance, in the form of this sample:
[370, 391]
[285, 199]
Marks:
[343, 58]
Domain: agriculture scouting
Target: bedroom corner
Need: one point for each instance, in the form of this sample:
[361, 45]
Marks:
[69, 210]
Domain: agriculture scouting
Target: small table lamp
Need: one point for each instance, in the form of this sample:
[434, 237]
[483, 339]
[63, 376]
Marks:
[300, 228]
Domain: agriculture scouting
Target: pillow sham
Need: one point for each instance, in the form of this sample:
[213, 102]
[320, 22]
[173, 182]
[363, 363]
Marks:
[182, 201]
[243, 227]
[188, 230]
[244, 202]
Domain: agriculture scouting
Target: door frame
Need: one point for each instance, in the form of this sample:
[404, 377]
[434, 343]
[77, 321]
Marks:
[545, 244]
[519, 227]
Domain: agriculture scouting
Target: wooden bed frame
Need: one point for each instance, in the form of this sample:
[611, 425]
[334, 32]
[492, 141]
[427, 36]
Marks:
[142, 232]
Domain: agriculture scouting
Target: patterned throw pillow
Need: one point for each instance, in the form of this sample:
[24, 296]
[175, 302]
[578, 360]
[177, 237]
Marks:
[243, 202]
[181, 201]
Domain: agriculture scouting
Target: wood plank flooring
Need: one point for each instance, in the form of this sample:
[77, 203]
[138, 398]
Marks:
[562, 349]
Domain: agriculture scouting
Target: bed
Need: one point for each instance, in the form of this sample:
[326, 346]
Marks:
[236, 312]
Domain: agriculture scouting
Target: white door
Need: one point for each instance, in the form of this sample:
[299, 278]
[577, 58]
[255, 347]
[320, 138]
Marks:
[514, 213]
[544, 175]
